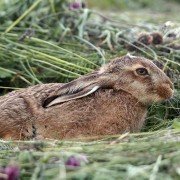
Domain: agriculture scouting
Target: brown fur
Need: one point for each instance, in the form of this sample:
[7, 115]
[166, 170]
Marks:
[118, 105]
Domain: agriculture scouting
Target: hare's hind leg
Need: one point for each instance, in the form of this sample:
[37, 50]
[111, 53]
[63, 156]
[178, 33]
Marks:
[16, 120]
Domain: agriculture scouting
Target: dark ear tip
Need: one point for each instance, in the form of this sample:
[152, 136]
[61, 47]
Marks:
[48, 100]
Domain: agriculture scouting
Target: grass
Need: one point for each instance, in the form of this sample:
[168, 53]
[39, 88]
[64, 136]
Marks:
[152, 155]
[44, 41]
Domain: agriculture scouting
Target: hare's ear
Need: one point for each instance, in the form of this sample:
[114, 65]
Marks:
[74, 90]
[67, 97]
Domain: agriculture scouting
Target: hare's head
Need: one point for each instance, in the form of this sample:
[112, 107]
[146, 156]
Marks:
[137, 76]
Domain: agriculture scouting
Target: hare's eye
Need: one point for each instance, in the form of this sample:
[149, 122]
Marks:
[142, 71]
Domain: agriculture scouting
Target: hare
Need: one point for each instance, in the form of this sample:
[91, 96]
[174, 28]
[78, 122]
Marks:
[110, 100]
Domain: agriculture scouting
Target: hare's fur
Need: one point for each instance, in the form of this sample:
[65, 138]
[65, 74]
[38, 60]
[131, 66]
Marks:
[100, 103]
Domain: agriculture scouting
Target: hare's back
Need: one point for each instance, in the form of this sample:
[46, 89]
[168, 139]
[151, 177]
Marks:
[19, 109]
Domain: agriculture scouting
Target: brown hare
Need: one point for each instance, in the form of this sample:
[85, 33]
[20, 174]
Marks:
[111, 100]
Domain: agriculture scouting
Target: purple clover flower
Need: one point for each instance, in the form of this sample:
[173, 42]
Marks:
[73, 161]
[9, 173]
[76, 5]
[76, 161]
[12, 172]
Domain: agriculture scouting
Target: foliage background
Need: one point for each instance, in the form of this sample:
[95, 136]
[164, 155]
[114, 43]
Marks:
[45, 41]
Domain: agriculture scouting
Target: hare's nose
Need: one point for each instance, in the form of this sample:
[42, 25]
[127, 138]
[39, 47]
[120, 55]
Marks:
[170, 84]
[165, 90]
